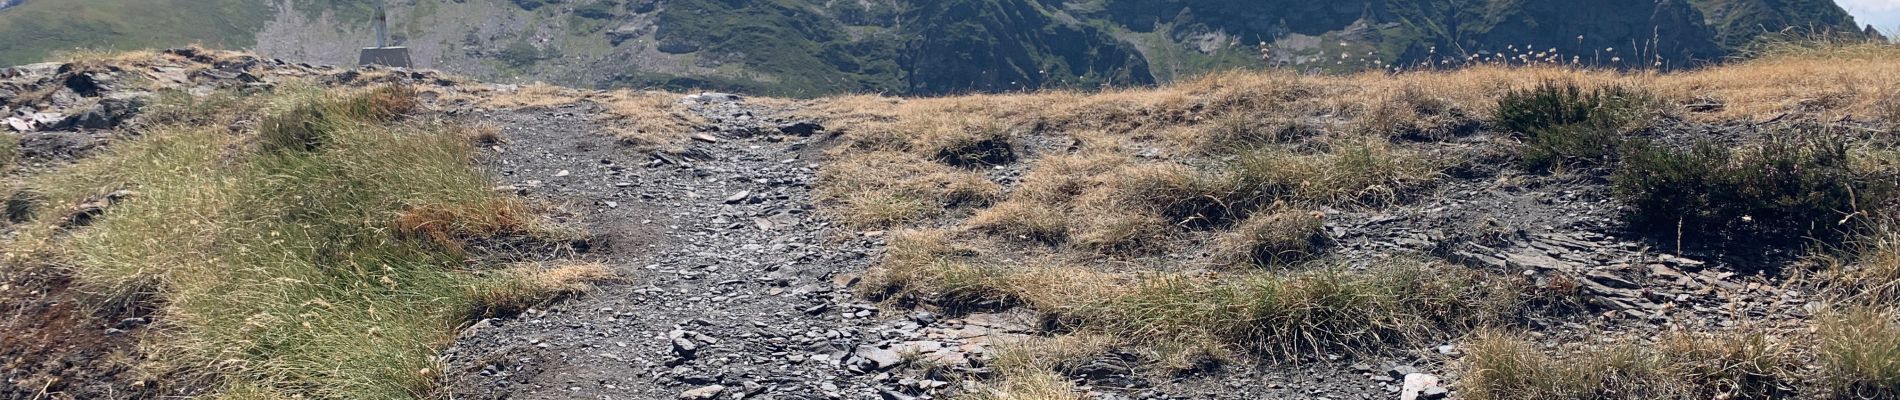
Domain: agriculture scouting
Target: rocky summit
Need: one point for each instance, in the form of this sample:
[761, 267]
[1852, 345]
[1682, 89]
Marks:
[809, 48]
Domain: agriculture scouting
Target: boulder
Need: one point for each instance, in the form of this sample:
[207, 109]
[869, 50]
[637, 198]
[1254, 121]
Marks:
[624, 33]
[1417, 384]
[703, 393]
[801, 128]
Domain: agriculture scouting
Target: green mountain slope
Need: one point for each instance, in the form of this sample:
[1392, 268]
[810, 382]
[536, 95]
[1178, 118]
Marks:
[32, 31]
[1739, 22]
[817, 47]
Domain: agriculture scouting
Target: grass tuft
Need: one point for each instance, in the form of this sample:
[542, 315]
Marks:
[1024, 220]
[649, 120]
[517, 289]
[9, 150]
[1273, 239]
[310, 124]
[1859, 353]
[885, 188]
[1367, 171]
[963, 142]
[1735, 365]
[1870, 274]
[1402, 302]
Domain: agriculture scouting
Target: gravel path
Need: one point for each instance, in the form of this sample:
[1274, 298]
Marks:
[734, 281]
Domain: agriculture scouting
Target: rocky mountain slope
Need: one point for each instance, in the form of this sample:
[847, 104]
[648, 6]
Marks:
[810, 47]
[1481, 233]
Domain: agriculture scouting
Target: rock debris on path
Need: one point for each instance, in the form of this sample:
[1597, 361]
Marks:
[737, 287]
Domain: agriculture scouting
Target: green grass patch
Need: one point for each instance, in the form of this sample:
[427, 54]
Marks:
[283, 270]
[37, 29]
[9, 150]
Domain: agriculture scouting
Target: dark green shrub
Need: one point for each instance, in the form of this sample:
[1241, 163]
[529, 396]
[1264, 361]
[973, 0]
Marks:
[1561, 123]
[1786, 187]
[519, 54]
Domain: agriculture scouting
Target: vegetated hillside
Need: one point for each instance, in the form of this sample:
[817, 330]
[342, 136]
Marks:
[808, 47]
[206, 223]
[193, 222]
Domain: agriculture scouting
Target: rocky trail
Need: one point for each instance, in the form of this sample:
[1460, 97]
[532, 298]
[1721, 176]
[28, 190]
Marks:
[735, 286]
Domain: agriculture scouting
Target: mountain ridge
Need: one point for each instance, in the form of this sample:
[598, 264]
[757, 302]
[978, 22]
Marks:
[810, 48]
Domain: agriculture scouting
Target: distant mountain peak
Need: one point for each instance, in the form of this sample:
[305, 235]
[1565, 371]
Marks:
[814, 47]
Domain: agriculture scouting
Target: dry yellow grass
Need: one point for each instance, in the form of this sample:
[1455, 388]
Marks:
[1272, 238]
[650, 120]
[1223, 166]
[884, 188]
[533, 95]
[1828, 83]
[1028, 370]
[1849, 353]
[525, 286]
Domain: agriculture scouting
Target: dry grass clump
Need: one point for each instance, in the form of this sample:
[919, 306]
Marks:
[517, 289]
[651, 120]
[1416, 113]
[1367, 171]
[1858, 352]
[453, 226]
[1273, 238]
[276, 271]
[1033, 368]
[959, 139]
[533, 95]
[1240, 131]
[885, 188]
[1871, 276]
[1023, 220]
[952, 269]
[1280, 314]
[1852, 353]
[1747, 365]
[1306, 313]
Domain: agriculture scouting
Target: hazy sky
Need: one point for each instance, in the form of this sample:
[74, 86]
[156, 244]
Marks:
[1882, 14]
